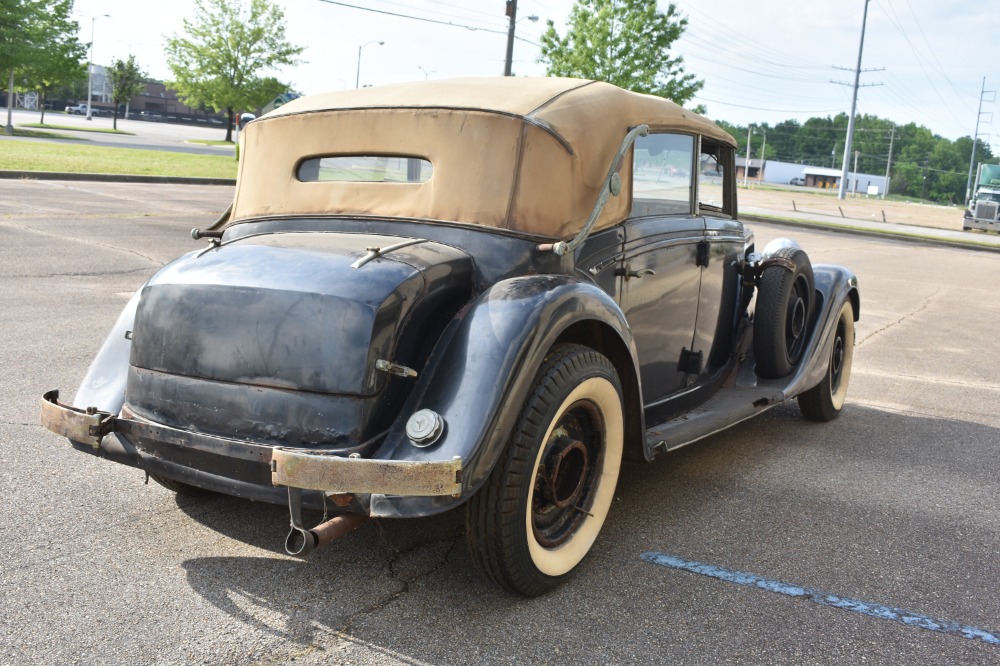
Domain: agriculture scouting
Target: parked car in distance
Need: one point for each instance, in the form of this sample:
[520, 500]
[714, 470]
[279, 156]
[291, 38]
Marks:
[78, 110]
[797, 181]
[478, 293]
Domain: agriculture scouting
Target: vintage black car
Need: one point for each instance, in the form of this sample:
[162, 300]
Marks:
[478, 292]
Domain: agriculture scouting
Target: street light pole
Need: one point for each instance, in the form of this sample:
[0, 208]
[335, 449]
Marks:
[90, 64]
[512, 14]
[746, 163]
[357, 76]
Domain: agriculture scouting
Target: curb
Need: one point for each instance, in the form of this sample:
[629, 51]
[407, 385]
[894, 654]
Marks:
[115, 178]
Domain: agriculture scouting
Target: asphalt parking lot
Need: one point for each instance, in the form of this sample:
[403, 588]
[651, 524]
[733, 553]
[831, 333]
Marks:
[893, 506]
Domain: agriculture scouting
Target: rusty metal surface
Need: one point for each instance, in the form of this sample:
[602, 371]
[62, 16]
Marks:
[361, 475]
[76, 424]
[337, 527]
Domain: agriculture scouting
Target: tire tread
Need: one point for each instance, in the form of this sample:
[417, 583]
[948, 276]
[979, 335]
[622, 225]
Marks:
[769, 318]
[492, 535]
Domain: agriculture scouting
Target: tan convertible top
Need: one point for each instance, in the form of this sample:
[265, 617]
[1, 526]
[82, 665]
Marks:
[525, 154]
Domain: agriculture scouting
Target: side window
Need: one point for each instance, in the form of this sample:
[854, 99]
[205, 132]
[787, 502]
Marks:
[712, 166]
[661, 175]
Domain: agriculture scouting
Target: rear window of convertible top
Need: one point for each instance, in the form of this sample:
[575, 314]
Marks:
[365, 169]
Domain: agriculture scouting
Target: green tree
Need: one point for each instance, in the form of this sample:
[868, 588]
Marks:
[782, 139]
[624, 42]
[731, 130]
[14, 49]
[924, 165]
[63, 60]
[31, 31]
[222, 60]
[910, 173]
[820, 141]
[126, 82]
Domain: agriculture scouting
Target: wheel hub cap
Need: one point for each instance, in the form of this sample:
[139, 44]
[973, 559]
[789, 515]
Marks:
[567, 476]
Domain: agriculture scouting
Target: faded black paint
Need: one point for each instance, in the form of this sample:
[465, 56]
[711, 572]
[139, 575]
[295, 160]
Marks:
[271, 340]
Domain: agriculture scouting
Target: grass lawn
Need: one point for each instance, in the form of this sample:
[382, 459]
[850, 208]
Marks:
[75, 128]
[34, 156]
[44, 135]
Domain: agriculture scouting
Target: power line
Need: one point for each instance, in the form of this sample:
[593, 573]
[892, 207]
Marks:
[757, 108]
[894, 19]
[423, 19]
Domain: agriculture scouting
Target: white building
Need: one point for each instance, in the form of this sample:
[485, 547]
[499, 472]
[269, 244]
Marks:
[818, 177]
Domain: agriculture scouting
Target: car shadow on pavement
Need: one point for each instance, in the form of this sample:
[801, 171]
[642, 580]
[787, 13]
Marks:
[879, 505]
[299, 600]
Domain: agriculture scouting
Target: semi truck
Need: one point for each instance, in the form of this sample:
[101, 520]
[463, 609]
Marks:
[984, 206]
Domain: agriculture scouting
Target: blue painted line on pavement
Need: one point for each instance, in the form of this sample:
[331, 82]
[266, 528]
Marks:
[906, 617]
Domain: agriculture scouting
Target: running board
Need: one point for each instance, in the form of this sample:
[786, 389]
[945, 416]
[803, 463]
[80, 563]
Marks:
[726, 408]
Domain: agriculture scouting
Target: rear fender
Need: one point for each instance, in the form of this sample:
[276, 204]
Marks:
[482, 370]
[103, 386]
[834, 285]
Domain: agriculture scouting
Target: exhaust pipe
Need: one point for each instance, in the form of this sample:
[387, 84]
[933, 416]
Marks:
[300, 541]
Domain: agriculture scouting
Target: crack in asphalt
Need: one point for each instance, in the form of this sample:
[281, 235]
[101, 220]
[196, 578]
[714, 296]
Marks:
[926, 304]
[926, 412]
[929, 380]
[43, 276]
[61, 237]
[343, 635]
[404, 583]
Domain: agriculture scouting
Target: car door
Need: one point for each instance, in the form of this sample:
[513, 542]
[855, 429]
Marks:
[661, 278]
[721, 280]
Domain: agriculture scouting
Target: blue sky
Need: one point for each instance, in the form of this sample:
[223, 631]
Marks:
[764, 61]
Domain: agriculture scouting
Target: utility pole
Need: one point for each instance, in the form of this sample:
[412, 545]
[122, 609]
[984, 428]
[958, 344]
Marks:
[923, 187]
[746, 163]
[90, 63]
[512, 15]
[763, 155]
[975, 139]
[888, 164]
[854, 187]
[854, 106]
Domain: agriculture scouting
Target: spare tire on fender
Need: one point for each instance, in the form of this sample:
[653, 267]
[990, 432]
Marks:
[786, 299]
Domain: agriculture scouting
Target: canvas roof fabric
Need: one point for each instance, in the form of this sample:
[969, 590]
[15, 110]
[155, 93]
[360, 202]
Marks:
[529, 155]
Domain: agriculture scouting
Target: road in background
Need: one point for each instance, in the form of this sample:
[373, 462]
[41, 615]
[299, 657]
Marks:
[894, 503]
[144, 134]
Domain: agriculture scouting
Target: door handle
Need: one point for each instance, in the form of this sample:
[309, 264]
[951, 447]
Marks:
[629, 272]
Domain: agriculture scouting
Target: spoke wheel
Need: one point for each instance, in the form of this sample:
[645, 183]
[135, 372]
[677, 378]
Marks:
[543, 506]
[825, 401]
